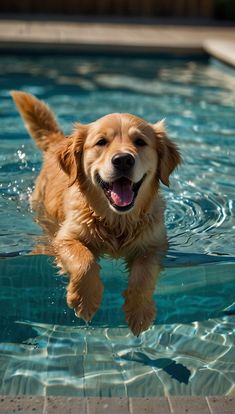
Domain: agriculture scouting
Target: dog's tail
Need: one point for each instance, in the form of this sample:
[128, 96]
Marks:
[38, 119]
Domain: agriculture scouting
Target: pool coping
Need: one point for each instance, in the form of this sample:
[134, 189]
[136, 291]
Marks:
[60, 35]
[118, 405]
[221, 50]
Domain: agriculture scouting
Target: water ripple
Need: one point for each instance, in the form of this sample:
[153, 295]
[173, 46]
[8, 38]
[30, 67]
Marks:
[44, 348]
[197, 101]
[163, 361]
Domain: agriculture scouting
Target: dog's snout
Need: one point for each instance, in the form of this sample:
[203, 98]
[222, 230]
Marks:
[123, 161]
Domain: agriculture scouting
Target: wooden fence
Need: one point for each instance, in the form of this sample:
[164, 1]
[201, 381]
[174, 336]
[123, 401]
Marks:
[149, 8]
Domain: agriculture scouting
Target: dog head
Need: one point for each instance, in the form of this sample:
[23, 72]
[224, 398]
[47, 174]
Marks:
[121, 157]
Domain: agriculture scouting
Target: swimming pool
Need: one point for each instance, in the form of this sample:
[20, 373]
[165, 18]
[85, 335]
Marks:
[190, 350]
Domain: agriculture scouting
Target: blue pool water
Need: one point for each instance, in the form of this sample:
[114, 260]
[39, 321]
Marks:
[44, 348]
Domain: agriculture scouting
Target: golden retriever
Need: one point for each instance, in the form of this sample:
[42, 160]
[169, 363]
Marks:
[98, 194]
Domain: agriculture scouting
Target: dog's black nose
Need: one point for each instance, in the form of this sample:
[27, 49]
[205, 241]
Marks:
[123, 161]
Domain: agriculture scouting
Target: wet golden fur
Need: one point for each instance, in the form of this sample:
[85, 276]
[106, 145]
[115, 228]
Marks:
[72, 206]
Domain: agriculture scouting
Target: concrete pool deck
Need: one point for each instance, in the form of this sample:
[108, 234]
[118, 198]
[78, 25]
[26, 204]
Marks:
[73, 405]
[44, 35]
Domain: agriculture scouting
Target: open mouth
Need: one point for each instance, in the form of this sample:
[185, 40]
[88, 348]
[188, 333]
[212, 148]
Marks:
[121, 193]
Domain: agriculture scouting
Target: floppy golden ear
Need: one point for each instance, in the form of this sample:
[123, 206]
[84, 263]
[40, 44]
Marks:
[168, 153]
[67, 160]
[69, 154]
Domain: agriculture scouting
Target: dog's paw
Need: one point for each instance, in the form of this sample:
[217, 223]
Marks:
[85, 302]
[140, 313]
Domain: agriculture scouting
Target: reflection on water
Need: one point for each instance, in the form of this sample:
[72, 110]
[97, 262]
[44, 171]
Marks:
[44, 348]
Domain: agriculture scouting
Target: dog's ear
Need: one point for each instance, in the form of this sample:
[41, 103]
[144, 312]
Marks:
[168, 153]
[67, 159]
[69, 153]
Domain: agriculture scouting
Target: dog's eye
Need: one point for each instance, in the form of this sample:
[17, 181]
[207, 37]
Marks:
[139, 142]
[102, 142]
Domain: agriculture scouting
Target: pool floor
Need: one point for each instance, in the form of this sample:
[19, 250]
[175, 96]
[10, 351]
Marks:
[46, 350]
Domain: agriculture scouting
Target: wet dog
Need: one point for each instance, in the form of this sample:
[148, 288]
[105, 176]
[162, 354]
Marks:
[98, 194]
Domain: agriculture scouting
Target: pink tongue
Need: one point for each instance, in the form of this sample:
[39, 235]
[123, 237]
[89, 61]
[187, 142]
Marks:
[122, 194]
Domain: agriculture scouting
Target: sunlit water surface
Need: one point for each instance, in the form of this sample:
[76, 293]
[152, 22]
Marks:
[44, 348]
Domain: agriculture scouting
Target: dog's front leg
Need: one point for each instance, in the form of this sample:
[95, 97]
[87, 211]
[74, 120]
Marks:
[139, 306]
[85, 289]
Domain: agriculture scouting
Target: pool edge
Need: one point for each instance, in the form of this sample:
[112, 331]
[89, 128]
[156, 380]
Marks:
[223, 51]
[45, 35]
[123, 405]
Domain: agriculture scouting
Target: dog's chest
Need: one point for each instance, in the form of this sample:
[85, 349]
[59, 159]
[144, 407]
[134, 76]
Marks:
[117, 240]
